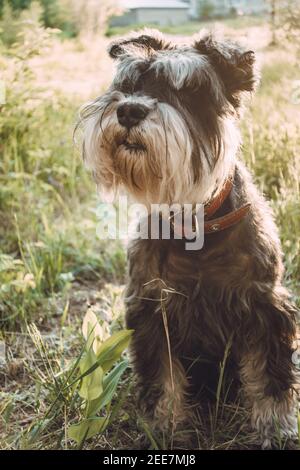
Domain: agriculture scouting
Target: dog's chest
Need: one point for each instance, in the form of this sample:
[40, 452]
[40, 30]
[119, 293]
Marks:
[157, 264]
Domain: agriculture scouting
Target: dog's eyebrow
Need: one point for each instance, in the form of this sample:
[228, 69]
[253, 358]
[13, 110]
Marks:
[182, 68]
[130, 72]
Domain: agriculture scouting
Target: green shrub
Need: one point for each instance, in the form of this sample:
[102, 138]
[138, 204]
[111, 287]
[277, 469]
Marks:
[9, 26]
[43, 192]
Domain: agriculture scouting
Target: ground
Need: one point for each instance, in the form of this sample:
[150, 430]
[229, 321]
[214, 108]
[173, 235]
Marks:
[53, 268]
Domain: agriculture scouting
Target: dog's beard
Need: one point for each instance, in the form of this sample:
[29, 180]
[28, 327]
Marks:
[153, 161]
[146, 159]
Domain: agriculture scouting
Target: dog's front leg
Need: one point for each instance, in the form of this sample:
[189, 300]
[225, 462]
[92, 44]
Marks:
[268, 376]
[160, 377]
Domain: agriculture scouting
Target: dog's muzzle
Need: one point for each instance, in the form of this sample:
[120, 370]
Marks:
[131, 114]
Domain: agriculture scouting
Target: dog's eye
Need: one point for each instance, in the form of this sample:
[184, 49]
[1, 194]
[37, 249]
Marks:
[127, 86]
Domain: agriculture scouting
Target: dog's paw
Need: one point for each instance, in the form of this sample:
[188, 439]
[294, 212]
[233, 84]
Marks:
[275, 422]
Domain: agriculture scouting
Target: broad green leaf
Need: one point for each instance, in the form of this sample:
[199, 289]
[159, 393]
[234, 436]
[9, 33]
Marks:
[87, 428]
[110, 383]
[92, 331]
[111, 350]
[91, 385]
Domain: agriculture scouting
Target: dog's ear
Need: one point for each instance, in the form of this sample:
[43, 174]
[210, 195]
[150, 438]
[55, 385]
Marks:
[148, 40]
[235, 66]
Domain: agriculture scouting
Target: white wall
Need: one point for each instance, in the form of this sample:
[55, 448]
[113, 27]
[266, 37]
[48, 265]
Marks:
[162, 16]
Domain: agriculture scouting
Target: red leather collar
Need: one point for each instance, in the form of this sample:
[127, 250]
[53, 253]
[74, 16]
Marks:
[226, 221]
[220, 223]
[216, 202]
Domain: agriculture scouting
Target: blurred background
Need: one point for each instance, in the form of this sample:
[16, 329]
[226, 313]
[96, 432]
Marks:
[53, 269]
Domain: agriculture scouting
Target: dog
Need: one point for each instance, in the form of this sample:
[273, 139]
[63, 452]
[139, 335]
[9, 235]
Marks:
[166, 131]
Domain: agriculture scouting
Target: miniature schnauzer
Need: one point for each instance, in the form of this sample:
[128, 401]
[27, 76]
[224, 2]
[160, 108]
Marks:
[166, 131]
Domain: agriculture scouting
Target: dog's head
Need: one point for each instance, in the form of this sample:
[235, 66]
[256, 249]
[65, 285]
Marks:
[166, 128]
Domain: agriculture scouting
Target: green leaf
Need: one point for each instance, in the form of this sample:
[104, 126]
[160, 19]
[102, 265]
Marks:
[91, 385]
[110, 383]
[87, 428]
[92, 331]
[111, 350]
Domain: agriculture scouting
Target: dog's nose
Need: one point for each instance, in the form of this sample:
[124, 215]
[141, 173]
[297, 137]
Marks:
[131, 114]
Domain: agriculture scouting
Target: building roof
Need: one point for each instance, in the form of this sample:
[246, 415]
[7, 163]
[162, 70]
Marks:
[134, 4]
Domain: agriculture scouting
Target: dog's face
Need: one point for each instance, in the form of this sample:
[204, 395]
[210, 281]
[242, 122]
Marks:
[166, 128]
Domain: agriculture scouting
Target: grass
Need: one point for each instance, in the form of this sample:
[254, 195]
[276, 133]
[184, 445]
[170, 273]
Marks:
[53, 269]
[191, 27]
